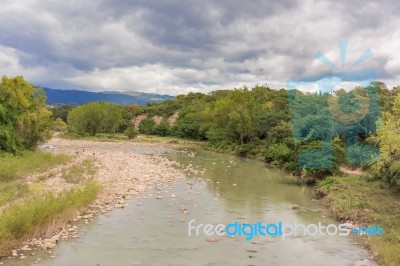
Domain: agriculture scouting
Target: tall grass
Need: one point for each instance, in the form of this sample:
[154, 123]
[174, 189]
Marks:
[13, 167]
[367, 203]
[36, 216]
[78, 173]
[12, 190]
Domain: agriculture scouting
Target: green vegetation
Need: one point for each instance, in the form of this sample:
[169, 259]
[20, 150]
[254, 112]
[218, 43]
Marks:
[279, 125]
[24, 123]
[12, 191]
[131, 132]
[60, 126]
[368, 203]
[61, 112]
[276, 125]
[28, 162]
[388, 139]
[79, 173]
[31, 218]
[147, 126]
[284, 128]
[100, 117]
[96, 117]
[24, 119]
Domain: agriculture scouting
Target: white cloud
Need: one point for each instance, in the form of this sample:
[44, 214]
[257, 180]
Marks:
[197, 46]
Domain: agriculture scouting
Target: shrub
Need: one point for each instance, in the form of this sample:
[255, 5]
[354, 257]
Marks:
[131, 132]
[146, 126]
[161, 129]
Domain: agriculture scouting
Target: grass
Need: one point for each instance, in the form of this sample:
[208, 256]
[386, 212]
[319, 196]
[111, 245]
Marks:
[39, 215]
[367, 203]
[13, 167]
[78, 174]
[12, 191]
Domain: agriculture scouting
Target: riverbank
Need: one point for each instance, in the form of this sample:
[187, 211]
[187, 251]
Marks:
[154, 231]
[351, 197]
[121, 169]
[354, 199]
[125, 168]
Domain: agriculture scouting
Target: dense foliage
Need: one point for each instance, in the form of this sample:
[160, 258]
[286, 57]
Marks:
[24, 119]
[309, 134]
[96, 117]
[61, 112]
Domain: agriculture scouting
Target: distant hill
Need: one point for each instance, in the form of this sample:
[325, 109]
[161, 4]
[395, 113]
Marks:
[77, 97]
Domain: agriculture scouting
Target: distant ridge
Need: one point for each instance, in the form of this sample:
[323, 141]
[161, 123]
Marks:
[78, 97]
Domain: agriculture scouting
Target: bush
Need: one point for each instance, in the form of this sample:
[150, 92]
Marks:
[161, 129]
[185, 128]
[95, 117]
[245, 150]
[147, 126]
[131, 132]
[278, 153]
[60, 126]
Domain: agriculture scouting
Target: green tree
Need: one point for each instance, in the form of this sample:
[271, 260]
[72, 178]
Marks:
[131, 132]
[162, 129]
[61, 112]
[111, 117]
[24, 119]
[146, 126]
[95, 117]
[388, 138]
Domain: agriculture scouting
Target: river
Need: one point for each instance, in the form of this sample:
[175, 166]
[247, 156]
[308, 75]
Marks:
[154, 231]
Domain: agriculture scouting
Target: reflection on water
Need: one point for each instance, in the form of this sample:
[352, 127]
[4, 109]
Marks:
[156, 232]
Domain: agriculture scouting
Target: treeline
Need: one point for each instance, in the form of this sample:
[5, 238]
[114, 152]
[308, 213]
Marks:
[298, 131]
[95, 117]
[308, 134]
[24, 118]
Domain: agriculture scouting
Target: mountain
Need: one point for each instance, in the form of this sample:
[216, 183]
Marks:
[77, 97]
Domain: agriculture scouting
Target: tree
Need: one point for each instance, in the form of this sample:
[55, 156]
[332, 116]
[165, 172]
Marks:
[24, 119]
[61, 112]
[111, 117]
[388, 138]
[95, 117]
[131, 132]
[146, 126]
[59, 125]
[161, 129]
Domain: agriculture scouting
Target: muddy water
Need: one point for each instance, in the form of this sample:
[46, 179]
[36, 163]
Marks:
[155, 231]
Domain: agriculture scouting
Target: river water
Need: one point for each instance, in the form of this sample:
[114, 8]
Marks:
[155, 231]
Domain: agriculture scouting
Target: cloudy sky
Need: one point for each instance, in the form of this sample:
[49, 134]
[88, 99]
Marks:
[173, 47]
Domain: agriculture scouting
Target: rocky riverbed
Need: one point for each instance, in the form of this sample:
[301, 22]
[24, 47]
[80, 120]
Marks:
[123, 169]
